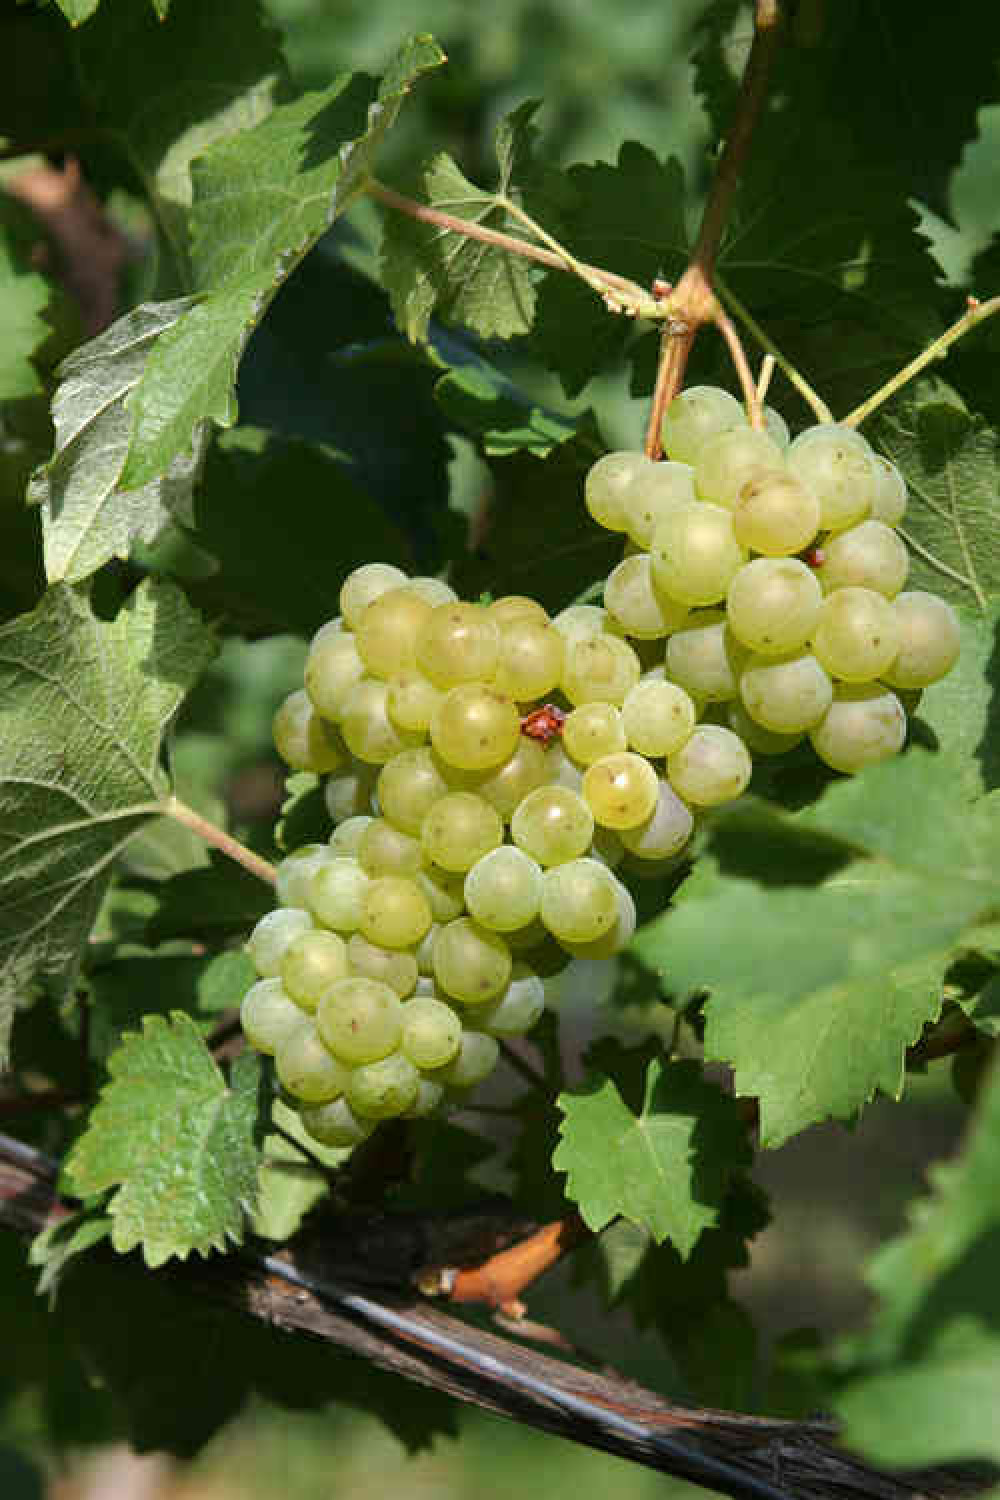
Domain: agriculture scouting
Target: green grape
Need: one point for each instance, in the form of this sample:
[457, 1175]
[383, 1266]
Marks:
[696, 417]
[712, 767]
[275, 933]
[348, 793]
[459, 829]
[395, 913]
[363, 587]
[506, 787]
[599, 669]
[838, 471]
[432, 1032]
[304, 740]
[292, 877]
[459, 643]
[705, 658]
[531, 658]
[476, 1059]
[475, 727]
[553, 824]
[380, 1090]
[578, 902]
[776, 427]
[434, 590]
[385, 849]
[889, 504]
[424, 950]
[856, 635]
[731, 461]
[788, 694]
[868, 556]
[518, 1009]
[620, 790]
[563, 771]
[608, 483]
[637, 605]
[445, 891]
[658, 489]
[863, 725]
[306, 1069]
[345, 840]
[510, 607]
[614, 940]
[773, 605]
[592, 731]
[269, 1017]
[756, 738]
[409, 785]
[336, 893]
[775, 514]
[665, 831]
[471, 964]
[365, 724]
[430, 1096]
[330, 631]
[360, 1019]
[578, 622]
[311, 964]
[387, 631]
[503, 889]
[332, 668]
[695, 554]
[335, 1124]
[929, 640]
[835, 433]
[412, 700]
[657, 717]
[394, 967]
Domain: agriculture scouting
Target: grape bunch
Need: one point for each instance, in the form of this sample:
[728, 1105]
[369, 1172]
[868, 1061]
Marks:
[495, 776]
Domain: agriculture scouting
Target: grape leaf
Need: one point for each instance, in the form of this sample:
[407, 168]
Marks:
[666, 1167]
[129, 988]
[481, 402]
[174, 1141]
[218, 902]
[963, 709]
[86, 705]
[56, 1245]
[25, 297]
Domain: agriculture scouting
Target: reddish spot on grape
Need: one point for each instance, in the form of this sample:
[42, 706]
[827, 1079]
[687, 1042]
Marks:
[545, 723]
[814, 556]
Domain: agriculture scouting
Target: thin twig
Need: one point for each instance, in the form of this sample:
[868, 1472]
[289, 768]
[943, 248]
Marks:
[737, 354]
[812, 398]
[219, 839]
[767, 366]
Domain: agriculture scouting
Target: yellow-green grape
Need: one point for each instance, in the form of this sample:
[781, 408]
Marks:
[506, 787]
[788, 694]
[477, 1057]
[348, 793]
[332, 668]
[712, 767]
[395, 967]
[269, 1017]
[836, 433]
[432, 1032]
[531, 658]
[363, 587]
[336, 893]
[697, 416]
[553, 824]
[365, 724]
[518, 1009]
[657, 490]
[868, 556]
[615, 939]
[773, 605]
[475, 727]
[726, 465]
[387, 631]
[592, 731]
[445, 891]
[305, 741]
[345, 840]
[756, 738]
[929, 640]
[503, 889]
[429, 1098]
[776, 427]
[459, 830]
[360, 1019]
[395, 913]
[424, 955]
[385, 849]
[471, 963]
[775, 514]
[275, 933]
[657, 717]
[458, 643]
[412, 700]
[330, 631]
[607, 484]
[380, 1090]
[294, 873]
[578, 903]
[408, 787]
[838, 471]
[434, 590]
[889, 504]
[307, 1069]
[705, 658]
[510, 607]
[637, 605]
[695, 554]
[665, 831]
[856, 635]
[863, 725]
[563, 770]
[311, 965]
[335, 1124]
[577, 622]
[599, 669]
[620, 790]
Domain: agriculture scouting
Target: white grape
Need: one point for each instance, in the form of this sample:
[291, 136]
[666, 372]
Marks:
[787, 694]
[773, 605]
[607, 484]
[929, 640]
[274, 934]
[712, 767]
[862, 726]
[695, 554]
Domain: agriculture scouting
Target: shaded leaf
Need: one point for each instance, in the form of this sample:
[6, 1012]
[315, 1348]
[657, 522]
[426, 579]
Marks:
[25, 297]
[963, 709]
[53, 1249]
[221, 901]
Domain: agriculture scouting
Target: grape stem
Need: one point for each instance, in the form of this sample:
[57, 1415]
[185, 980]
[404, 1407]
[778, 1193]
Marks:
[795, 379]
[218, 838]
[737, 354]
[764, 378]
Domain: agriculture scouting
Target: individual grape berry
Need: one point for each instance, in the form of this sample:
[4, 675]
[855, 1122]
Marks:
[869, 556]
[471, 964]
[889, 504]
[445, 892]
[856, 636]
[837, 467]
[348, 793]
[411, 700]
[432, 1032]
[408, 787]
[387, 631]
[606, 485]
[332, 668]
[712, 767]
[363, 587]
[503, 889]
[311, 964]
[335, 1124]
[269, 1017]
[787, 694]
[697, 416]
[518, 1009]
[599, 668]
[305, 741]
[336, 893]
[506, 787]
[577, 622]
[345, 840]
[620, 790]
[705, 658]
[563, 770]
[776, 427]
[475, 727]
[756, 738]
[773, 605]
[695, 554]
[477, 1056]
[553, 824]
[637, 605]
[614, 940]
[578, 901]
[293, 874]
[726, 465]
[775, 514]
[274, 934]
[383, 1089]
[458, 643]
[430, 1097]
[665, 831]
[657, 715]
[434, 590]
[395, 967]
[863, 725]
[360, 1020]
[384, 849]
[594, 730]
[530, 658]
[307, 1070]
[395, 913]
[459, 829]
[510, 607]
[658, 489]
[929, 640]
[365, 724]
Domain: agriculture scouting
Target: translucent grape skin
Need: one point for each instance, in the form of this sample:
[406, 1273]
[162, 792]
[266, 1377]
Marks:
[332, 668]
[335, 1124]
[383, 1089]
[530, 660]
[518, 1009]
[657, 490]
[364, 585]
[864, 725]
[336, 892]
[311, 964]
[711, 768]
[476, 1059]
[305, 741]
[857, 635]
[657, 716]
[459, 829]
[727, 464]
[578, 900]
[773, 605]
[269, 1017]
[607, 483]
[505, 786]
[360, 1020]
[553, 824]
[621, 790]
[599, 668]
[387, 631]
[432, 1032]
[392, 966]
[475, 727]
[306, 1068]
[594, 730]
[695, 554]
[274, 935]
[665, 831]
[458, 643]
[787, 694]
[639, 607]
[409, 785]
[395, 912]
[368, 731]
[705, 658]
[471, 964]
[838, 469]
[929, 640]
[384, 849]
[775, 514]
[870, 555]
[695, 417]
[503, 889]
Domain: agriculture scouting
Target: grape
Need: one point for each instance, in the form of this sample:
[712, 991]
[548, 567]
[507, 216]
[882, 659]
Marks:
[506, 787]
[471, 963]
[530, 660]
[870, 556]
[553, 824]
[311, 964]
[475, 727]
[429, 1098]
[380, 1090]
[562, 770]
[511, 607]
[665, 831]
[773, 605]
[696, 417]
[577, 622]
[332, 668]
[385, 849]
[503, 889]
[395, 913]
[620, 790]
[762, 741]
[411, 700]
[840, 474]
[607, 484]
[409, 785]
[863, 725]
[776, 427]
[346, 839]
[775, 514]
[432, 1032]
[306, 1069]
[365, 724]
[929, 640]
[364, 585]
[639, 607]
[336, 893]
[856, 635]
[275, 933]
[658, 489]
[387, 630]
[695, 554]
[304, 740]
[726, 465]
[600, 668]
[292, 877]
[445, 892]
[334, 1124]
[459, 830]
[518, 1009]
[394, 967]
[712, 767]
[434, 590]
[329, 632]
[594, 730]
[705, 658]
[578, 903]
[424, 954]
[614, 940]
[477, 1057]
[269, 1017]
[836, 433]
[360, 1019]
[459, 643]
[348, 793]
[786, 693]
[889, 504]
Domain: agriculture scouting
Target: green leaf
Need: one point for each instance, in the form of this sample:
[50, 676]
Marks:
[289, 1183]
[174, 1141]
[664, 1168]
[55, 1246]
[488, 407]
[24, 297]
[76, 11]
[963, 709]
[221, 901]
[127, 989]
[86, 704]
